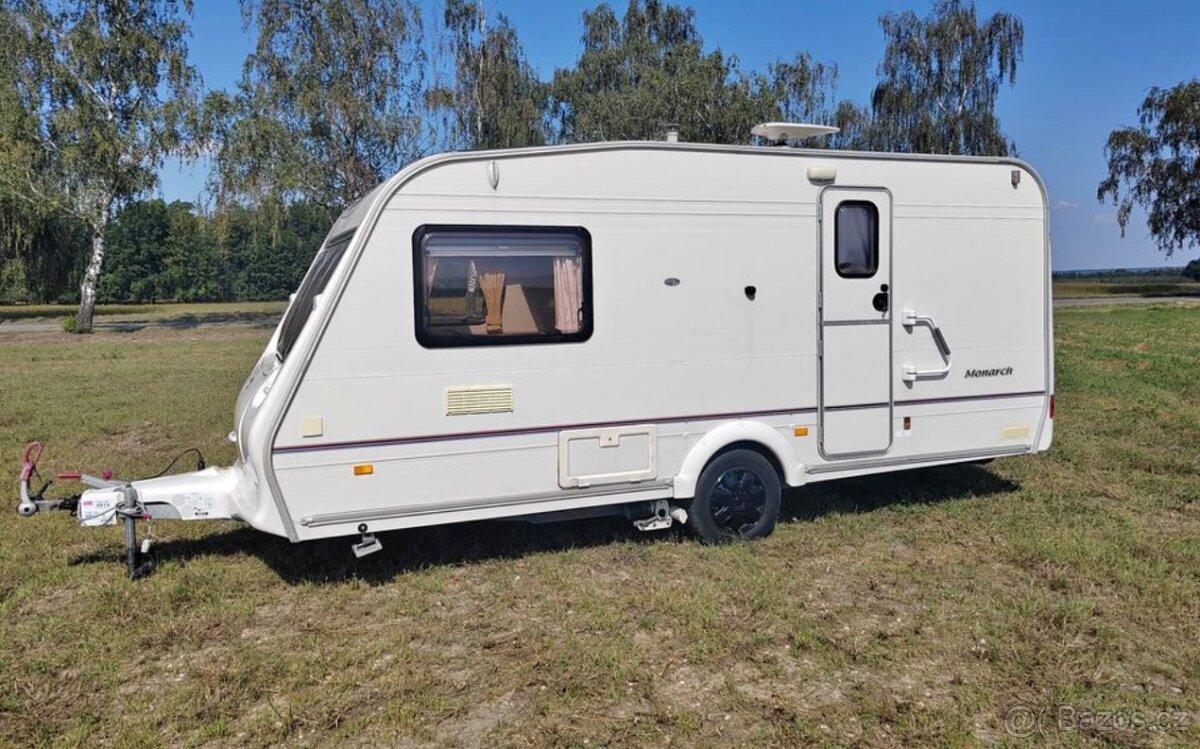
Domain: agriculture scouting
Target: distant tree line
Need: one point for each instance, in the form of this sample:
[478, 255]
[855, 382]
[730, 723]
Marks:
[173, 252]
[1191, 271]
[336, 95]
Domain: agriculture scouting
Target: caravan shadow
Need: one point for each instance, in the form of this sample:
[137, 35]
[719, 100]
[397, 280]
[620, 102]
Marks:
[916, 487]
[331, 561]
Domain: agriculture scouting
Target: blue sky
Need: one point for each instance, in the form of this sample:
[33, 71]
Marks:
[1086, 68]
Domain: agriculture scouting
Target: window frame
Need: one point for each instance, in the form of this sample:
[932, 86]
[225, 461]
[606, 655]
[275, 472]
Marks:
[434, 341]
[837, 244]
[289, 330]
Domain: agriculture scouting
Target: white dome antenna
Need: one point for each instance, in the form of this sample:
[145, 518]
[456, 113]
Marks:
[780, 133]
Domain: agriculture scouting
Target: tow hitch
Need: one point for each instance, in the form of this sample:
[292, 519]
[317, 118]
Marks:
[109, 502]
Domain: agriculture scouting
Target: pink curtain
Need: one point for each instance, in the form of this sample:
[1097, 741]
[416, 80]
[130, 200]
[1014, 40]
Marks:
[568, 294]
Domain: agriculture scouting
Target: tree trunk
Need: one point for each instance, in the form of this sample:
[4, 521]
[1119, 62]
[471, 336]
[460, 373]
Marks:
[91, 277]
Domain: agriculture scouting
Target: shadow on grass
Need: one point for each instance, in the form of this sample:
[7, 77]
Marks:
[331, 561]
[190, 321]
[922, 486]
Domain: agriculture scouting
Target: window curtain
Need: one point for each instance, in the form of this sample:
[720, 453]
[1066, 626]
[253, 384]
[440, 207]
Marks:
[491, 280]
[568, 294]
[472, 278]
[431, 265]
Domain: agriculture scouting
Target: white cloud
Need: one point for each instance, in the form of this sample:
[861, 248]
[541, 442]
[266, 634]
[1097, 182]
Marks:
[1066, 204]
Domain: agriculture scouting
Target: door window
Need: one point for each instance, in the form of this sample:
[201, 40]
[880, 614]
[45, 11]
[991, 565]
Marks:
[856, 239]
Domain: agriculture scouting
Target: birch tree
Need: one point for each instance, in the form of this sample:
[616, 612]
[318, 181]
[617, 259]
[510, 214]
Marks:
[939, 81]
[495, 99]
[107, 87]
[1156, 166]
[331, 102]
[648, 67]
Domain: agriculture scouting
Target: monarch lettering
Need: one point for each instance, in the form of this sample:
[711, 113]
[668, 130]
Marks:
[1000, 372]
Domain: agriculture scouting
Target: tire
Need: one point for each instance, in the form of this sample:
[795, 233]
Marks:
[737, 496]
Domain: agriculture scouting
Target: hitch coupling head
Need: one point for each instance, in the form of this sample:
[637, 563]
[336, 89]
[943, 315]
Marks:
[32, 502]
[27, 507]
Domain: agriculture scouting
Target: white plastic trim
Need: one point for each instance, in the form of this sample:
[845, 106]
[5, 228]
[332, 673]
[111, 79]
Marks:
[724, 436]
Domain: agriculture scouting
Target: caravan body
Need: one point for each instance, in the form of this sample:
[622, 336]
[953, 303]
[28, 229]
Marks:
[509, 333]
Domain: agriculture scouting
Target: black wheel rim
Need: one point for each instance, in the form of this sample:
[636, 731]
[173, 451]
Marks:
[739, 499]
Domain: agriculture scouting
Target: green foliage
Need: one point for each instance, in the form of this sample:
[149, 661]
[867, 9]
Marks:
[265, 259]
[328, 106]
[1192, 270]
[70, 324]
[168, 252]
[101, 92]
[41, 248]
[1156, 165]
[137, 248]
[938, 83]
[496, 100]
[104, 83]
[193, 268]
[649, 67]
[334, 98]
[41, 252]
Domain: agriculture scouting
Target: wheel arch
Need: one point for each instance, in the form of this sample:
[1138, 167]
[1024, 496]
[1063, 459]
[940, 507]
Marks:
[752, 435]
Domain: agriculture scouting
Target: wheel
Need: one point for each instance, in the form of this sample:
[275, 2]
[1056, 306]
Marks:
[737, 496]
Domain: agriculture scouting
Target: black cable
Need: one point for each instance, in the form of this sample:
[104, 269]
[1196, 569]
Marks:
[45, 483]
[200, 464]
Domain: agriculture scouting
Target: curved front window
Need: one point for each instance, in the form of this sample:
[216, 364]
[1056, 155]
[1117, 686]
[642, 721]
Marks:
[313, 285]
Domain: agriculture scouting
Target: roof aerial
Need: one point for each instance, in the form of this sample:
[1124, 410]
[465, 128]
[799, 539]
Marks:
[782, 132]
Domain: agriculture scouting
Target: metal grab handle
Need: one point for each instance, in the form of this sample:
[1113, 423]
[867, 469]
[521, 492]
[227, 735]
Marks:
[911, 373]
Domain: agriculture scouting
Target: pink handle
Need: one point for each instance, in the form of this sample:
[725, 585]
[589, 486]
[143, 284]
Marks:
[30, 458]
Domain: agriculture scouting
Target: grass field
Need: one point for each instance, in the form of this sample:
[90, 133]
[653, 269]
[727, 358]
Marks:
[926, 608]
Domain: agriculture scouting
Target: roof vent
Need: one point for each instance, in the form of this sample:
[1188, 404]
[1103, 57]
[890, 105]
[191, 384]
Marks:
[780, 133]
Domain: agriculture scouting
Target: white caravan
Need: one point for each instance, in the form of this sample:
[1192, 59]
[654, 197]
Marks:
[672, 330]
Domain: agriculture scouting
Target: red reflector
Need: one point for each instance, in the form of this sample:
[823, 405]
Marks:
[1052, 405]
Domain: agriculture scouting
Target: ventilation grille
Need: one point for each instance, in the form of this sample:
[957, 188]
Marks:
[485, 399]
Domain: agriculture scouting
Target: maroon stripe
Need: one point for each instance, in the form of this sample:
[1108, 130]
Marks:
[856, 407]
[528, 430]
[595, 424]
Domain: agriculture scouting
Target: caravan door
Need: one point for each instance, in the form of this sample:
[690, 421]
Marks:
[855, 321]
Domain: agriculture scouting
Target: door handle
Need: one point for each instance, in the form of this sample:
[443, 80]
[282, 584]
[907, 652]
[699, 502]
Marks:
[880, 300]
